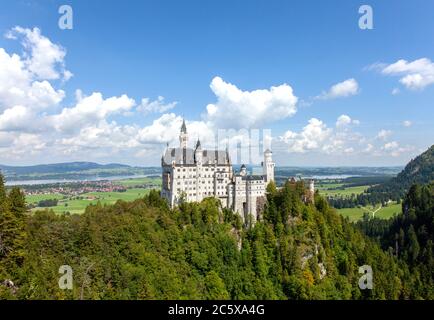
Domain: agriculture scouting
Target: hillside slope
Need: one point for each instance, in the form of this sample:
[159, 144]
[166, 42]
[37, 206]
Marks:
[420, 170]
[144, 250]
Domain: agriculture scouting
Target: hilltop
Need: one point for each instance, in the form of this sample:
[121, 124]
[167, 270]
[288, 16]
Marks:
[420, 170]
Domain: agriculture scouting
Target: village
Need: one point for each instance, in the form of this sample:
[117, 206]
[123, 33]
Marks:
[74, 188]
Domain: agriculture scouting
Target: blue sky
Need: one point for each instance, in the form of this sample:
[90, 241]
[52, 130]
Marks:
[174, 49]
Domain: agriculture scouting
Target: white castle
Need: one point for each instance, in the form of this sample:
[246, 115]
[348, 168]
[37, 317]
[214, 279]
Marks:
[194, 174]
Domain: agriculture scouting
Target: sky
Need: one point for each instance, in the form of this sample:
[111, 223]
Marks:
[320, 90]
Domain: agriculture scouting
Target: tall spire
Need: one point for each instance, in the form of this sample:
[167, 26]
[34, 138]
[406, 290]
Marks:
[183, 136]
[183, 127]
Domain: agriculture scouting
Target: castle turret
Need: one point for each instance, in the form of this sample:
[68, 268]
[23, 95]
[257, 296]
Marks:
[312, 190]
[268, 166]
[243, 171]
[198, 154]
[183, 136]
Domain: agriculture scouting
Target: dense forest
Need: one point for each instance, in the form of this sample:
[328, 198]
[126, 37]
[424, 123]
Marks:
[144, 250]
[410, 235]
[420, 170]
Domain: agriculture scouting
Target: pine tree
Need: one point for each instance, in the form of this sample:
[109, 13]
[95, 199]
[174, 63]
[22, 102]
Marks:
[414, 247]
[2, 194]
[12, 233]
[17, 202]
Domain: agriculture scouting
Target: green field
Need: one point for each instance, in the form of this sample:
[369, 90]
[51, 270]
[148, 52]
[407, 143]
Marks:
[355, 214]
[134, 182]
[344, 192]
[74, 205]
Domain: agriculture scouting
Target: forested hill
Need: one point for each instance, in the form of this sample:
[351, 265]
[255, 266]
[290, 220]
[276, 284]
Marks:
[418, 171]
[144, 250]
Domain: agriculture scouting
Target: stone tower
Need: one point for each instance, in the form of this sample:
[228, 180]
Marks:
[312, 190]
[268, 166]
[183, 136]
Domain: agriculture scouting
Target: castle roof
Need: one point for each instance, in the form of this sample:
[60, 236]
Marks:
[186, 157]
[183, 127]
[198, 146]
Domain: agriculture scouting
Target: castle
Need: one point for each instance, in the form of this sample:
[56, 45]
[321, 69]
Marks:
[194, 174]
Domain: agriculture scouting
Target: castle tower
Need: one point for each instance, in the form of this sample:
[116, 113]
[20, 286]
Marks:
[243, 170]
[198, 157]
[268, 166]
[198, 154]
[312, 190]
[183, 136]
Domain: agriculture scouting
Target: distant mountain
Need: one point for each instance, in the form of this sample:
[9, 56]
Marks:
[58, 168]
[418, 171]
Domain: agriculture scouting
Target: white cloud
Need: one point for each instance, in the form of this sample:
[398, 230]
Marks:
[310, 138]
[44, 59]
[156, 106]
[407, 123]
[15, 118]
[346, 88]
[17, 87]
[317, 138]
[90, 110]
[166, 129]
[384, 134]
[345, 121]
[416, 74]
[394, 149]
[249, 109]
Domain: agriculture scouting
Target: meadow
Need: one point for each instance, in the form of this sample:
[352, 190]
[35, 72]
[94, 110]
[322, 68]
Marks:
[136, 188]
[355, 214]
[337, 189]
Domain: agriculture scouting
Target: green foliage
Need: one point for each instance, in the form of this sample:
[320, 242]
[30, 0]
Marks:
[145, 250]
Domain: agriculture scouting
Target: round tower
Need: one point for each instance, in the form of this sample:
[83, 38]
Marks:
[268, 166]
[312, 189]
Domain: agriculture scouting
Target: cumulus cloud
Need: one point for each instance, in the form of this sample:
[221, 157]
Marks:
[317, 136]
[311, 137]
[19, 87]
[346, 88]
[415, 75]
[156, 106]
[15, 118]
[90, 109]
[394, 149]
[345, 121]
[166, 129]
[407, 123]
[35, 124]
[44, 59]
[249, 109]
[384, 134]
